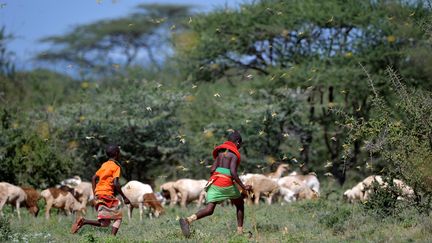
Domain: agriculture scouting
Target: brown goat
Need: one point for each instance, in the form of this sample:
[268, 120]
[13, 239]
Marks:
[15, 196]
[150, 201]
[32, 199]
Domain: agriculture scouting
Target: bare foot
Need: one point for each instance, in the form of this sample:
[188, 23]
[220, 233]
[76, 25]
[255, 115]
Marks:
[184, 225]
[77, 225]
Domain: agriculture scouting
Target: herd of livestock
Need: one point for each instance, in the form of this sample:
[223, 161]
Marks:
[74, 195]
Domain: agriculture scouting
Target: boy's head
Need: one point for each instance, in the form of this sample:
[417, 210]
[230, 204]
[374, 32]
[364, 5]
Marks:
[236, 138]
[113, 151]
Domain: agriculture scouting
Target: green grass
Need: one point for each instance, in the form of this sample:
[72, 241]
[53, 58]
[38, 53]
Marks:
[313, 221]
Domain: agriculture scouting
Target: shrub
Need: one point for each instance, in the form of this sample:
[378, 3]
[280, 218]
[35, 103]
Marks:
[383, 200]
[400, 139]
[29, 156]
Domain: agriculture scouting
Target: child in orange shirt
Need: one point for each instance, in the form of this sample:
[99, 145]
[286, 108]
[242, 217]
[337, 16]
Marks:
[107, 205]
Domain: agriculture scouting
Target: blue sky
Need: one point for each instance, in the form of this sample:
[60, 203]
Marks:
[31, 20]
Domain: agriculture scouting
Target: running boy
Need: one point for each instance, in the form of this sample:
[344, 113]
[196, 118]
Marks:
[105, 183]
[221, 184]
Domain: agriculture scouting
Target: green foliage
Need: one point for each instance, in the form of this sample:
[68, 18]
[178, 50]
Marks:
[29, 157]
[401, 143]
[139, 115]
[383, 201]
[314, 48]
[36, 90]
[5, 228]
[282, 34]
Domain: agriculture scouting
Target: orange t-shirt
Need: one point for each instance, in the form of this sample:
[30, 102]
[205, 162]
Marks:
[107, 172]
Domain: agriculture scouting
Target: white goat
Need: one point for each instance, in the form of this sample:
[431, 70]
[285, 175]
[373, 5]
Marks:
[311, 181]
[261, 186]
[84, 193]
[355, 194]
[71, 182]
[139, 196]
[168, 190]
[60, 198]
[362, 191]
[13, 195]
[190, 190]
[292, 188]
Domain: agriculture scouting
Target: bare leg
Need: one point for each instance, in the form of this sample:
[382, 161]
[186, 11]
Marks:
[114, 231]
[239, 203]
[97, 223]
[80, 222]
[116, 226]
[207, 211]
[184, 223]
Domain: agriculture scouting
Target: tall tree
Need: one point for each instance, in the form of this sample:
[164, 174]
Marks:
[109, 45]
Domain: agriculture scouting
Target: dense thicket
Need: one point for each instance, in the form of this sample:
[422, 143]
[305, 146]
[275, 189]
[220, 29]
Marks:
[318, 49]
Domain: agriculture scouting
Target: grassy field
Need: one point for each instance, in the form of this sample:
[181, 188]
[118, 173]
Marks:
[313, 221]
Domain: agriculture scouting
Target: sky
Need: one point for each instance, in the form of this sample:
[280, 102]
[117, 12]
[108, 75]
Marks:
[31, 20]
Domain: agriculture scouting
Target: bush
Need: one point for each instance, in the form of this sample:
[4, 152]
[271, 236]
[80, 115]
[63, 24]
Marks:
[399, 142]
[383, 201]
[30, 157]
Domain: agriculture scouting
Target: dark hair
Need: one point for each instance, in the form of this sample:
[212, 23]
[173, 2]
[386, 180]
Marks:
[235, 136]
[112, 150]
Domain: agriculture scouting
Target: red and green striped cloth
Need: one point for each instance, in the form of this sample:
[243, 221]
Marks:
[222, 187]
[108, 207]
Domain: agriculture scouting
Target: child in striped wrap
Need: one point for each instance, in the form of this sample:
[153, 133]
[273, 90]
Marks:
[107, 206]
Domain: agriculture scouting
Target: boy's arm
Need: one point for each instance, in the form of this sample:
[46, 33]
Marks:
[118, 189]
[94, 179]
[233, 169]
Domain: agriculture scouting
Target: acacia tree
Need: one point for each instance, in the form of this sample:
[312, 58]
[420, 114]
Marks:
[110, 45]
[316, 47]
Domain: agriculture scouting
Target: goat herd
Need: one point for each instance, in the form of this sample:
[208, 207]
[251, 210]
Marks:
[73, 195]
